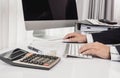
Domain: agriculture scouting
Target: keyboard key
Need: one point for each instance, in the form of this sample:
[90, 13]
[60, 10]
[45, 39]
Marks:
[72, 50]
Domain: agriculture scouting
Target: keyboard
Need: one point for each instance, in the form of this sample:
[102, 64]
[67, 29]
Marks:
[72, 50]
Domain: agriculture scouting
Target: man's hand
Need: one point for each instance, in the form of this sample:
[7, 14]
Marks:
[75, 37]
[96, 49]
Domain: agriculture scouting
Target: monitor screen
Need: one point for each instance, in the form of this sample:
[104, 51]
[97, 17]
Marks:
[41, 14]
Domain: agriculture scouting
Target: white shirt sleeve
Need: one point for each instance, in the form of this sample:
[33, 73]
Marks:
[114, 54]
[113, 51]
[89, 38]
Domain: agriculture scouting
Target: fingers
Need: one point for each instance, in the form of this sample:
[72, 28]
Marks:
[89, 52]
[75, 37]
[85, 47]
[95, 49]
[73, 40]
[70, 35]
[88, 49]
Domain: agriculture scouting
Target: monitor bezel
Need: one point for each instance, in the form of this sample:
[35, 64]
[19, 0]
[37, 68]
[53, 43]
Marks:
[38, 25]
[48, 24]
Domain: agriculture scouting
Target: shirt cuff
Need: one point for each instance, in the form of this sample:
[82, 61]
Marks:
[89, 38]
[114, 54]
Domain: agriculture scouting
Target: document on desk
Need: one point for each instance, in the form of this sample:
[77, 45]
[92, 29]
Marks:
[46, 47]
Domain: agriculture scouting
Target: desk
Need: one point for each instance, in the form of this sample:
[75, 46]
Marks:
[66, 68]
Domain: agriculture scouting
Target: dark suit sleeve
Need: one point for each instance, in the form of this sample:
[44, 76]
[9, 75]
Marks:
[108, 37]
[118, 48]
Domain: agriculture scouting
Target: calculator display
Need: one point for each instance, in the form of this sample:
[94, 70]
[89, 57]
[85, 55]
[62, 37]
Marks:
[17, 53]
[14, 54]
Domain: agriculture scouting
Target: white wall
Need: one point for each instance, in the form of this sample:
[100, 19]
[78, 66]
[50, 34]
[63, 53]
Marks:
[4, 18]
[0, 24]
[117, 11]
[17, 32]
[82, 7]
[12, 29]
[21, 30]
[12, 23]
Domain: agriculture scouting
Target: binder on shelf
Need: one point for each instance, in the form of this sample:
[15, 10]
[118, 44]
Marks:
[90, 27]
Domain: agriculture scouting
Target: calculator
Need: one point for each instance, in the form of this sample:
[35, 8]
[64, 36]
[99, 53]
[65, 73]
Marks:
[23, 58]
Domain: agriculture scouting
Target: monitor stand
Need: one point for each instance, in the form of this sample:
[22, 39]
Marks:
[39, 33]
[42, 34]
[53, 34]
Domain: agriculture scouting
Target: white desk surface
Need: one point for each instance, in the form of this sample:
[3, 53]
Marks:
[66, 68]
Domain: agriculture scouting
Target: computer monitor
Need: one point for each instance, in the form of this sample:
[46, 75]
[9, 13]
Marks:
[45, 14]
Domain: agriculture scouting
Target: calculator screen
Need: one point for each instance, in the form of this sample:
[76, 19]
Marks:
[17, 53]
[13, 54]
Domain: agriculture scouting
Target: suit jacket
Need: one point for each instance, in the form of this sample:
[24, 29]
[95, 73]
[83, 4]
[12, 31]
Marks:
[108, 37]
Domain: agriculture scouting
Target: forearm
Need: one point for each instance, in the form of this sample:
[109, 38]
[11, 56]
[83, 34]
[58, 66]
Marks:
[114, 50]
[107, 37]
